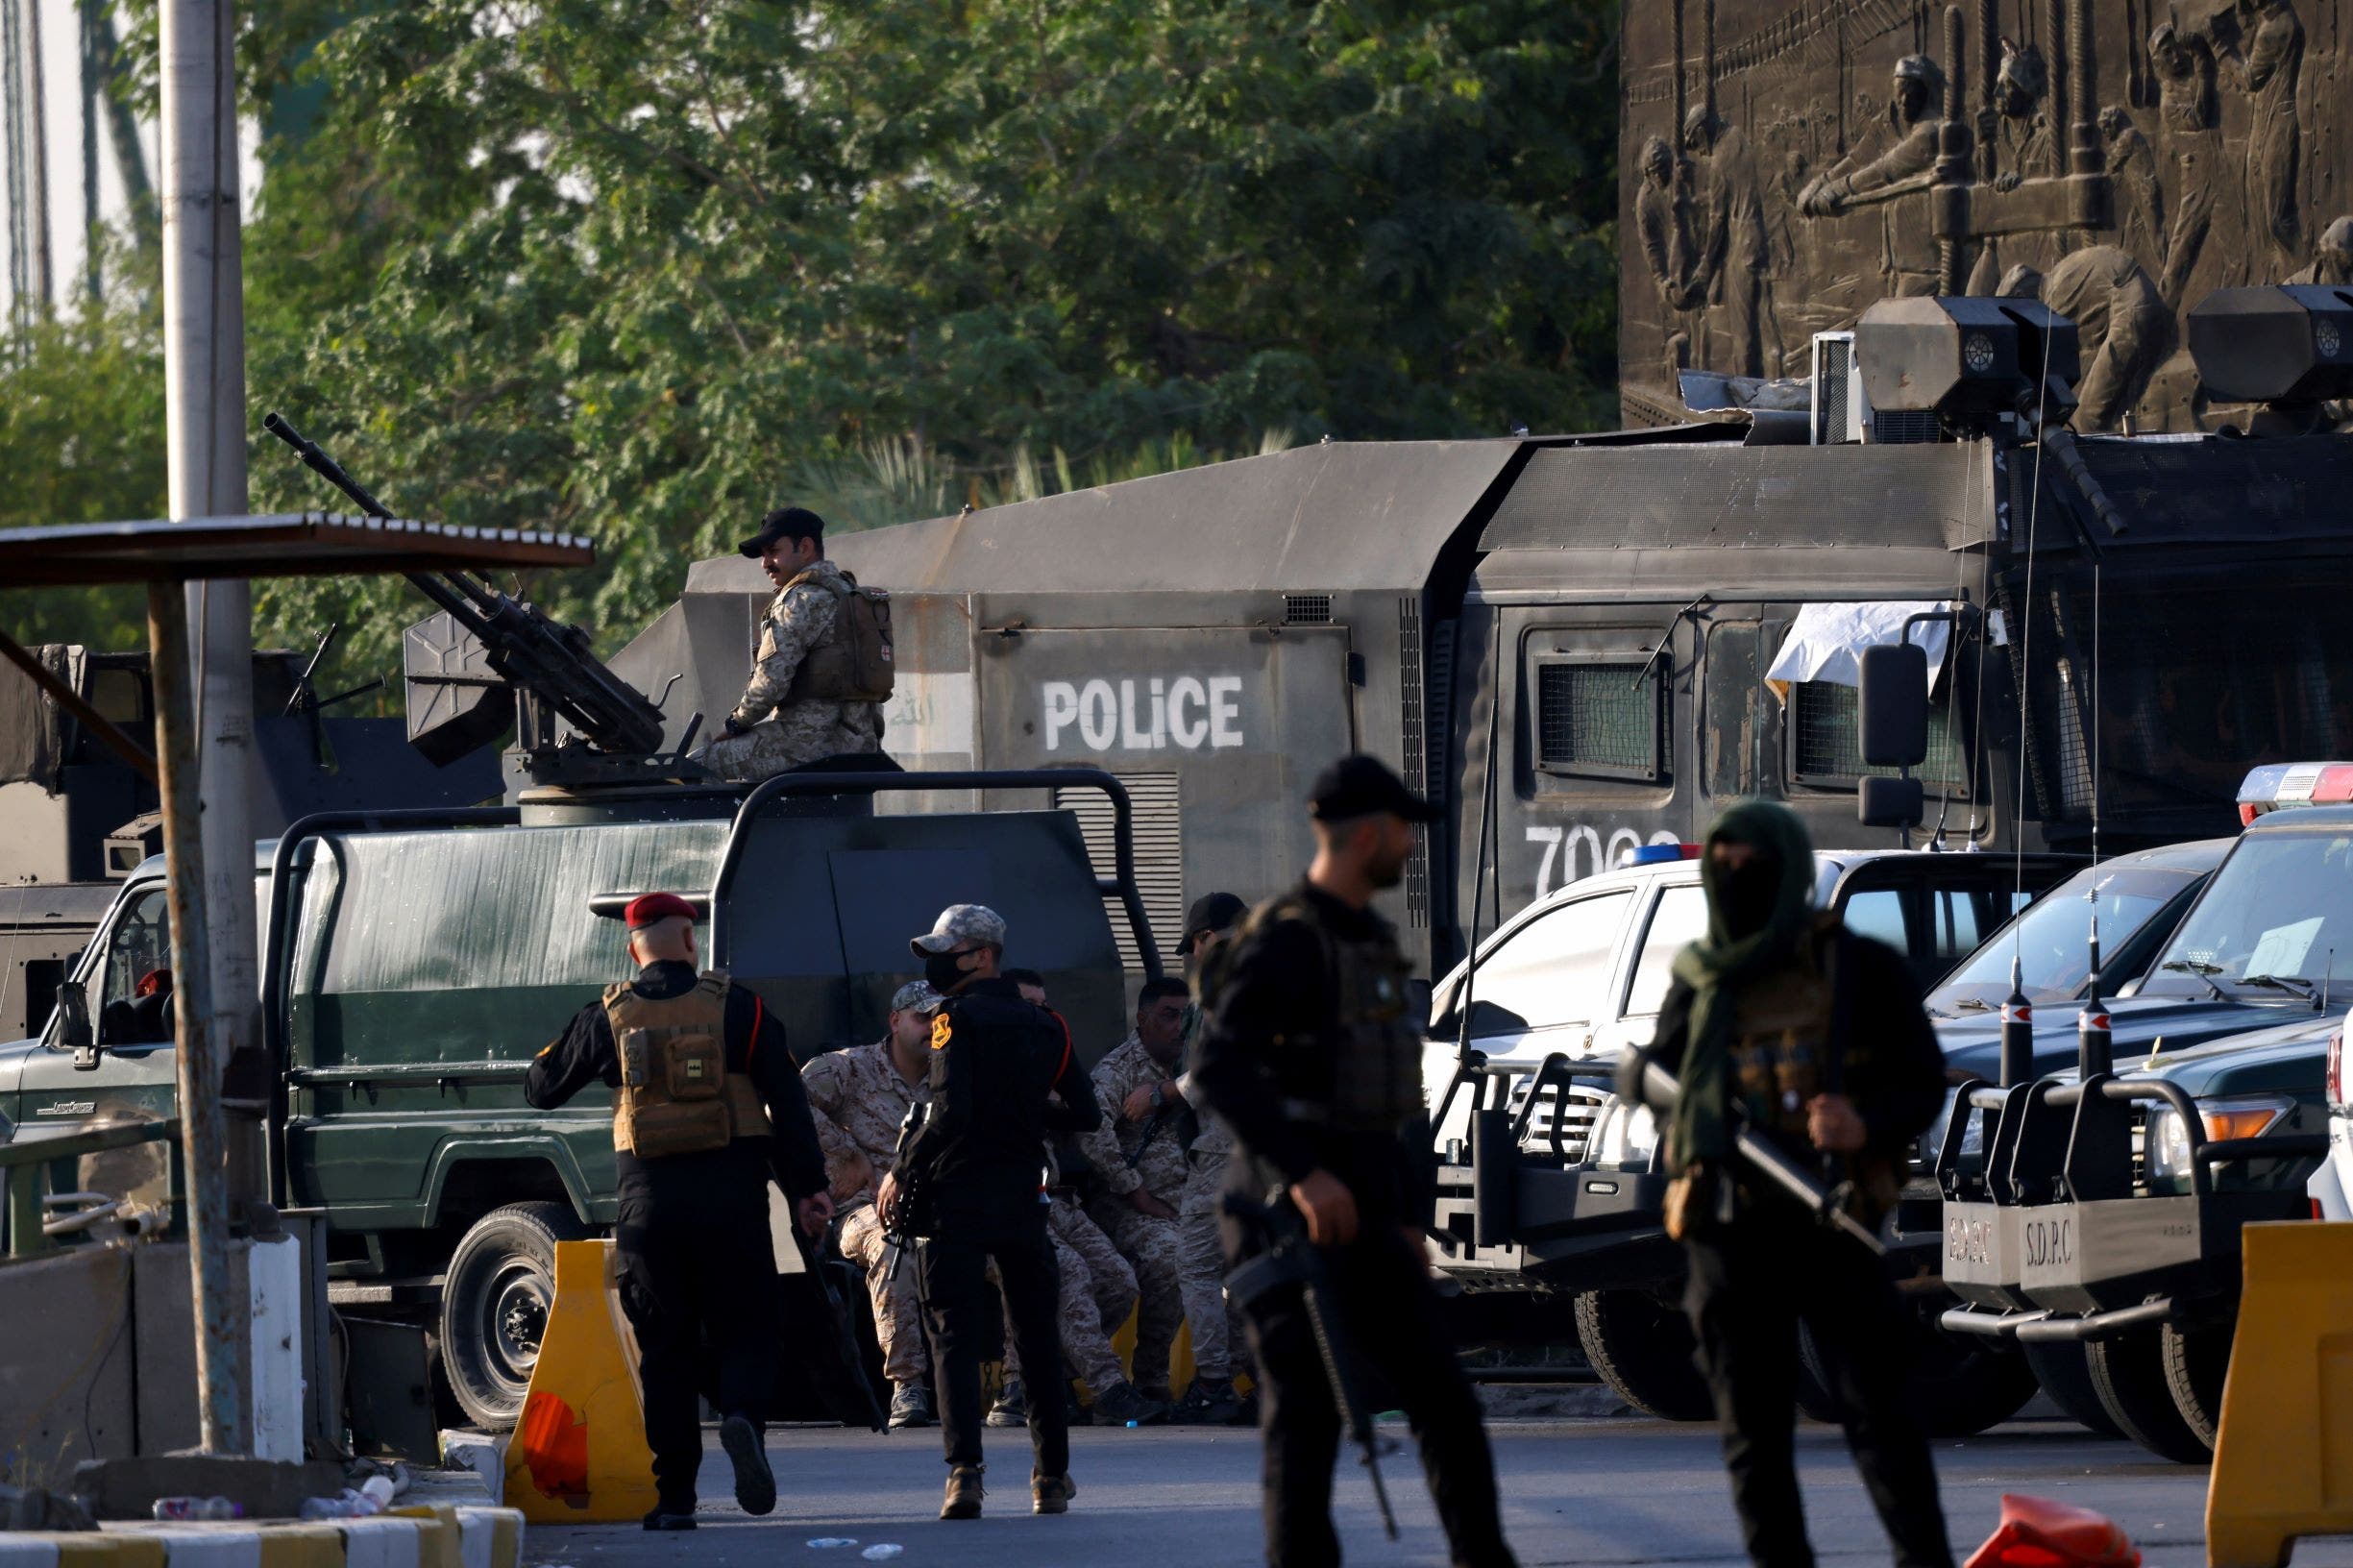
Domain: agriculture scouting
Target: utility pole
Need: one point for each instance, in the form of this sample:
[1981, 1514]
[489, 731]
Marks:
[204, 370]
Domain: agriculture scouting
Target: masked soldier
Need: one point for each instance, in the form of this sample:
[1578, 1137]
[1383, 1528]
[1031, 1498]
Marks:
[1816, 1037]
[823, 669]
[706, 1104]
[1309, 1055]
[975, 1173]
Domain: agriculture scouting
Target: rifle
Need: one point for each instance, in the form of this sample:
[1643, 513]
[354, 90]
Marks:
[1292, 1258]
[1151, 1126]
[1761, 1156]
[911, 1190]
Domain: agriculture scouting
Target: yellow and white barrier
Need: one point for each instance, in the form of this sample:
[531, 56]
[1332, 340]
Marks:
[435, 1537]
[2283, 1461]
[578, 1454]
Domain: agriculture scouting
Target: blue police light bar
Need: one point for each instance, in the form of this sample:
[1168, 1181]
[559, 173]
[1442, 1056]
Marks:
[2280, 784]
[1659, 855]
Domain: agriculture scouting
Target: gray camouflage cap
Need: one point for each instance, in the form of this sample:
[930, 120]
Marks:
[958, 925]
[916, 996]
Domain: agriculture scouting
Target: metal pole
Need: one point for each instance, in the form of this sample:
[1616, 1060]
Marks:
[205, 417]
[222, 1329]
[204, 369]
[36, 149]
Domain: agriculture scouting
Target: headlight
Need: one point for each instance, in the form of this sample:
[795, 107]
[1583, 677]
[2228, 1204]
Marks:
[1972, 1136]
[2165, 1146]
[1624, 1136]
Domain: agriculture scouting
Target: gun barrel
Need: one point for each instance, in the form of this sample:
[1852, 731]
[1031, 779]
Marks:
[1760, 1154]
[325, 467]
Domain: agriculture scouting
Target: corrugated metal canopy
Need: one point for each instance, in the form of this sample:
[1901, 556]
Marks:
[1347, 515]
[276, 545]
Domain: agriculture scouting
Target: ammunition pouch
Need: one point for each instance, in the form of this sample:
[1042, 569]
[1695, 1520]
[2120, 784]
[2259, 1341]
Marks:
[676, 1095]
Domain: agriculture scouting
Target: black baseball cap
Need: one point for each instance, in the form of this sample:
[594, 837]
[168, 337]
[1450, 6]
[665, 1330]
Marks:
[1360, 786]
[1210, 912]
[784, 522]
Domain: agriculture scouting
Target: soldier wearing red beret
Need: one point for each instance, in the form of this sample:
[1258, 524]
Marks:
[707, 1104]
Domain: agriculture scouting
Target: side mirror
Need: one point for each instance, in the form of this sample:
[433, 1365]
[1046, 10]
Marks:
[1890, 802]
[74, 1030]
[1892, 709]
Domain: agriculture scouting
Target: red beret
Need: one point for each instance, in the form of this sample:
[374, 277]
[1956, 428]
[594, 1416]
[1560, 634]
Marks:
[648, 908]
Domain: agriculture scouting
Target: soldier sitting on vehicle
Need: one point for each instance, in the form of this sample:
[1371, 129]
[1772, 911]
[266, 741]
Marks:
[861, 1096]
[1139, 1155]
[1098, 1290]
[823, 669]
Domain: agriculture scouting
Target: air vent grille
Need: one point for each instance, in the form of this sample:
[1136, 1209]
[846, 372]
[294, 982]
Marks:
[1414, 745]
[1306, 609]
[1157, 830]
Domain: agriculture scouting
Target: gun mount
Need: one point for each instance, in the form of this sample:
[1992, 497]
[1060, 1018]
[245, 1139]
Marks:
[489, 660]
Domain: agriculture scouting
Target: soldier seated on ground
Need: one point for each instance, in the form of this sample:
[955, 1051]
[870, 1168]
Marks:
[823, 667]
[1098, 1290]
[1138, 1153]
[860, 1096]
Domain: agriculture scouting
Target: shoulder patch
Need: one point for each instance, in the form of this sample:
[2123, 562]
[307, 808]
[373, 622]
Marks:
[941, 1031]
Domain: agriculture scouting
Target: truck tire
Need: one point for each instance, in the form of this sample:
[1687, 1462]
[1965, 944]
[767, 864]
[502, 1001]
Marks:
[2129, 1373]
[2066, 1376]
[2196, 1360]
[494, 1307]
[1642, 1348]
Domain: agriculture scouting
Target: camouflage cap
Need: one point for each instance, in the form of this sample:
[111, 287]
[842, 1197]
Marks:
[916, 996]
[958, 925]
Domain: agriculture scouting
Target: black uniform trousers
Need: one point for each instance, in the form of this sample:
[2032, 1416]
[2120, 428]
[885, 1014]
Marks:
[1391, 1315]
[1751, 1281]
[957, 1296]
[690, 1271]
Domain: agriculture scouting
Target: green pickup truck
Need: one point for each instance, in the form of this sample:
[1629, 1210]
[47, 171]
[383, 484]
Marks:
[413, 962]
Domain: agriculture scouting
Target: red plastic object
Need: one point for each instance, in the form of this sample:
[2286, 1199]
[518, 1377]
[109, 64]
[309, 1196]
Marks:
[2037, 1533]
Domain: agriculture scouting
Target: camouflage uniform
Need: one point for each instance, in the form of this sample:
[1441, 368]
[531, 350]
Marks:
[1152, 1244]
[859, 1100]
[798, 619]
[1099, 1288]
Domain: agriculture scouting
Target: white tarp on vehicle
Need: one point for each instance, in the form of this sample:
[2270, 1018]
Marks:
[1826, 642]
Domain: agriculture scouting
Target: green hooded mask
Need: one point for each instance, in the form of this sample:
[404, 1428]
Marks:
[1720, 965]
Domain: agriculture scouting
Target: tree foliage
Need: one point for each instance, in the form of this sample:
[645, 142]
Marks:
[641, 269]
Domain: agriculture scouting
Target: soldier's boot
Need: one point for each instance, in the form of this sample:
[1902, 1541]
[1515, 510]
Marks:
[1121, 1406]
[1209, 1402]
[964, 1493]
[1158, 1394]
[1011, 1409]
[1246, 1412]
[910, 1406]
[1050, 1494]
[672, 1515]
[755, 1484]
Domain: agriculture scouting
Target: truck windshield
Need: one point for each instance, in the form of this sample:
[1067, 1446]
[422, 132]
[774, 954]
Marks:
[2274, 920]
[2052, 938]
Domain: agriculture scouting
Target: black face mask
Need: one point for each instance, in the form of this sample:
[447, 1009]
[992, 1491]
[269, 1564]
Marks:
[1747, 895]
[944, 971]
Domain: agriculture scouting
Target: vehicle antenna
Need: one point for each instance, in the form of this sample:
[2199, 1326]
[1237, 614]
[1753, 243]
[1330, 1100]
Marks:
[2037, 413]
[2016, 1029]
[2095, 1049]
[2096, 696]
[1478, 870]
[2327, 976]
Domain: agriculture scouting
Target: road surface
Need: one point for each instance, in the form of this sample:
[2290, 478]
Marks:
[1576, 1492]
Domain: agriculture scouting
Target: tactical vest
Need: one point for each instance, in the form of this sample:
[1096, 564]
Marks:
[1376, 1054]
[853, 663]
[676, 1095]
[1781, 1044]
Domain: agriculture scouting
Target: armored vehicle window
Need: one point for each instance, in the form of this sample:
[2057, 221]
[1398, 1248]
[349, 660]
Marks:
[136, 987]
[1680, 918]
[1824, 748]
[1600, 720]
[1551, 970]
[1735, 733]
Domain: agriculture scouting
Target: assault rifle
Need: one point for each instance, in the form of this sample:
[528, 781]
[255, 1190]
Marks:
[1151, 1128]
[1290, 1260]
[898, 1233]
[1761, 1156]
[549, 662]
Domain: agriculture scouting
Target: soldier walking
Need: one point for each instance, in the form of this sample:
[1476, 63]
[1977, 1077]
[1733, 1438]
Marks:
[706, 1104]
[1816, 1037]
[861, 1096]
[822, 670]
[1309, 1056]
[969, 1185]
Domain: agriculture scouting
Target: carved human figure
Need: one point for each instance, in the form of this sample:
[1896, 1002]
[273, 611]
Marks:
[2331, 264]
[2264, 64]
[2124, 327]
[1735, 256]
[1908, 257]
[1662, 222]
[2193, 151]
[2027, 148]
[2134, 188]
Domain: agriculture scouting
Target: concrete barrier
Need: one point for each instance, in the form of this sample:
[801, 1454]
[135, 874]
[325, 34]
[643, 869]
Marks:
[578, 1454]
[434, 1537]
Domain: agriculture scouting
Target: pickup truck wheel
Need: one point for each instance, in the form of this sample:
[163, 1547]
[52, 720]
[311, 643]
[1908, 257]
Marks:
[2196, 1360]
[1642, 1348]
[2066, 1377]
[494, 1307]
[2129, 1372]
